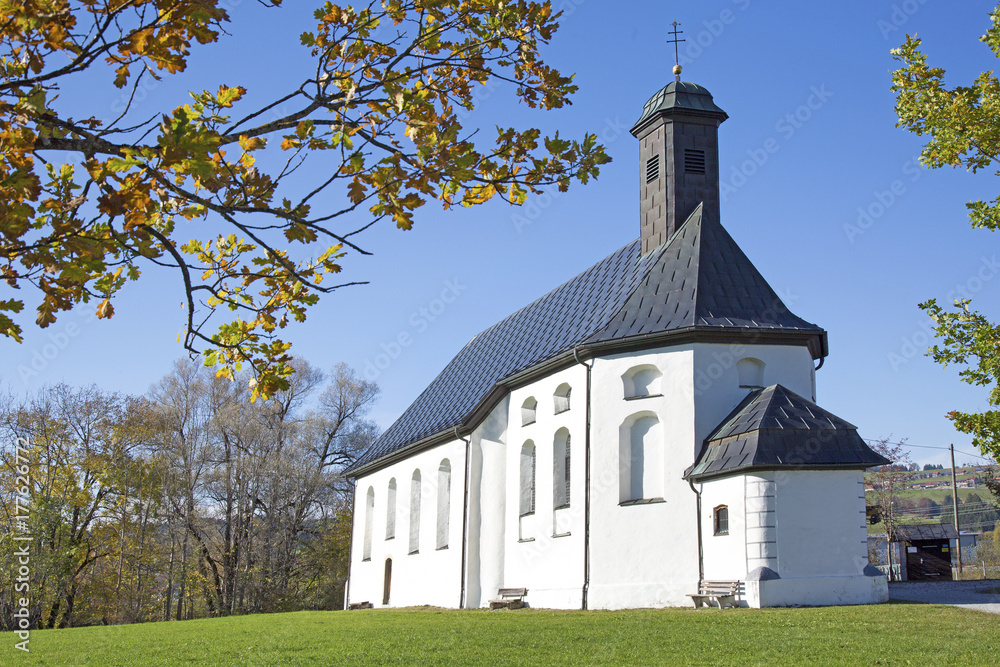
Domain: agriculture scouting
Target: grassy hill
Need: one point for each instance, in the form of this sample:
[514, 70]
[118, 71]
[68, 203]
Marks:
[979, 514]
[882, 634]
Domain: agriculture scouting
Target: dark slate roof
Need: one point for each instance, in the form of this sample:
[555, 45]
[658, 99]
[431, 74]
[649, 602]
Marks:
[680, 95]
[699, 278]
[931, 531]
[775, 428]
[703, 279]
[553, 324]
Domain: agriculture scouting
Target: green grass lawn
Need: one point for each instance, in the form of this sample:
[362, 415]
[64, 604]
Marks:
[893, 634]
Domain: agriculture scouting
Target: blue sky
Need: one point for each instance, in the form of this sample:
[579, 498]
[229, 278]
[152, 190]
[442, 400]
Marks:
[838, 216]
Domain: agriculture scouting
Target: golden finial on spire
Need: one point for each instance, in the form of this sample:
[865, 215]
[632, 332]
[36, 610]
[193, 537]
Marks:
[677, 58]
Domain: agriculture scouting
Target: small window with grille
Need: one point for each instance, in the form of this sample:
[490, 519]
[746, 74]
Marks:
[721, 520]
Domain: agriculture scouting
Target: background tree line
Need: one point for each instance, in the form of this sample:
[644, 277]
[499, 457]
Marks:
[189, 501]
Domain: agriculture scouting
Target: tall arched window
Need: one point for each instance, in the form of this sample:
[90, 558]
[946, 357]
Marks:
[390, 510]
[561, 469]
[561, 397]
[444, 503]
[528, 411]
[415, 512]
[369, 519]
[641, 459]
[527, 478]
[751, 372]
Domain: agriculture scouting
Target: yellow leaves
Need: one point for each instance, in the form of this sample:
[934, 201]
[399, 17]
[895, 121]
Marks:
[46, 314]
[356, 191]
[105, 310]
[228, 95]
[139, 40]
[251, 143]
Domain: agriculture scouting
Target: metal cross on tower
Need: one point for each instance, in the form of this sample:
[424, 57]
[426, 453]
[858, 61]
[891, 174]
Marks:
[676, 40]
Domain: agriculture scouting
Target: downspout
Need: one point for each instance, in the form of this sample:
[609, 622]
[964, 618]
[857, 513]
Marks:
[701, 551]
[586, 488]
[350, 549]
[465, 515]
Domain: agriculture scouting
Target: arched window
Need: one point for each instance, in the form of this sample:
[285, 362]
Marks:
[560, 469]
[721, 520]
[444, 503]
[561, 398]
[390, 510]
[751, 372]
[641, 459]
[528, 411]
[415, 512]
[527, 478]
[369, 518]
[641, 381]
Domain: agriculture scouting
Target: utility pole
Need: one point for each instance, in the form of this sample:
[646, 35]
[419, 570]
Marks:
[954, 504]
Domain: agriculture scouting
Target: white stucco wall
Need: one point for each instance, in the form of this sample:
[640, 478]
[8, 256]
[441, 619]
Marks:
[432, 576]
[544, 551]
[822, 529]
[725, 555]
[822, 545]
[487, 507]
[643, 555]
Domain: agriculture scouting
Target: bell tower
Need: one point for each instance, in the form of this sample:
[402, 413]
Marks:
[678, 135]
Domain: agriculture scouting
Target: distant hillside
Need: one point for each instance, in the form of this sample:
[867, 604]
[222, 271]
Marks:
[927, 498]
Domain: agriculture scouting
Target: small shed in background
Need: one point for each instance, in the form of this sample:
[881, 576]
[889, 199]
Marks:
[926, 551]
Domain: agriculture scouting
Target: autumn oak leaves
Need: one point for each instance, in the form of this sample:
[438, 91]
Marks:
[961, 129]
[86, 204]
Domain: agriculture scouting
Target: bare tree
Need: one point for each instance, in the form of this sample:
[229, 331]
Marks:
[887, 481]
[255, 485]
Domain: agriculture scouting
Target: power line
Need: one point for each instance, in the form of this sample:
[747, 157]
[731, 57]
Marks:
[910, 444]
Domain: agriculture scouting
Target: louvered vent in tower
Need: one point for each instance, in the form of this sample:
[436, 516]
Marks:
[652, 168]
[694, 161]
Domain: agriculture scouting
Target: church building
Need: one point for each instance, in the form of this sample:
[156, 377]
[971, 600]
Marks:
[648, 425]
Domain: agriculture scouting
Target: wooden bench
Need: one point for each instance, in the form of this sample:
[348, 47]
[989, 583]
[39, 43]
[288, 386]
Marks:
[510, 598]
[360, 605]
[721, 592]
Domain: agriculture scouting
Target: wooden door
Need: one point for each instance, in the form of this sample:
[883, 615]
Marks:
[928, 561]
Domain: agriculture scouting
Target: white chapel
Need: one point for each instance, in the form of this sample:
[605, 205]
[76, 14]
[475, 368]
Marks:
[647, 426]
